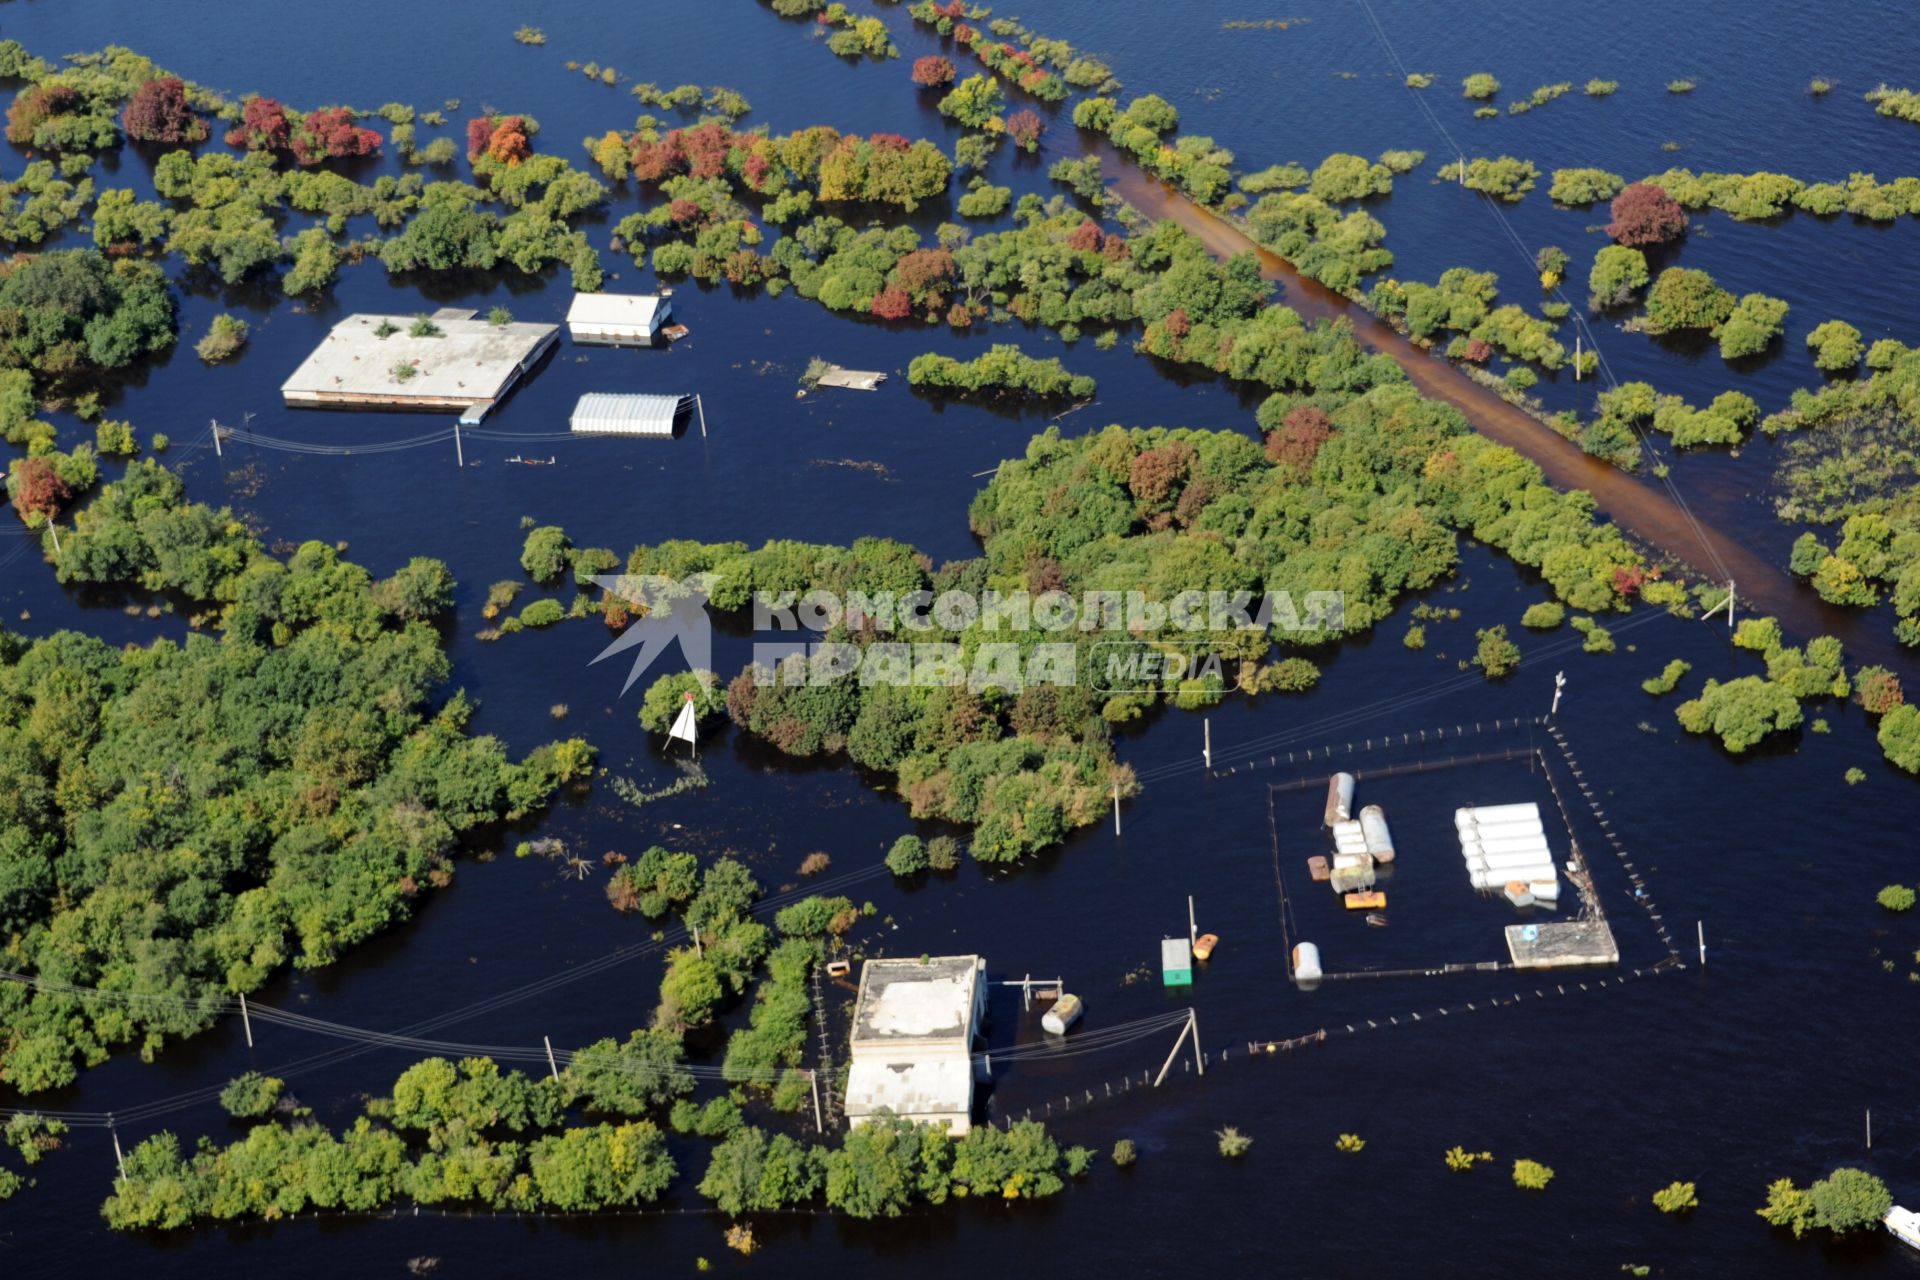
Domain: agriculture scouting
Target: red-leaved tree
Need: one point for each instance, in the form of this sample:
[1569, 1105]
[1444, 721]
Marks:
[331, 134]
[1297, 443]
[932, 70]
[479, 134]
[1086, 237]
[1025, 128]
[509, 144]
[38, 489]
[159, 112]
[263, 127]
[892, 304]
[36, 104]
[1644, 214]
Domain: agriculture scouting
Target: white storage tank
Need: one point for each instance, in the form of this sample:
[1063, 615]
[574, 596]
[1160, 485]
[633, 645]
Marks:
[1306, 963]
[1498, 812]
[1339, 798]
[1545, 890]
[1373, 825]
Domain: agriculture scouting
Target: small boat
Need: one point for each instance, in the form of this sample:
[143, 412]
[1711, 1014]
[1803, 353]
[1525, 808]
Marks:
[1371, 900]
[1377, 919]
[674, 332]
[1904, 1224]
[1065, 1012]
[1204, 944]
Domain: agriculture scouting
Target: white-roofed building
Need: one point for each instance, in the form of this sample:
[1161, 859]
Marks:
[912, 1049]
[606, 414]
[618, 317]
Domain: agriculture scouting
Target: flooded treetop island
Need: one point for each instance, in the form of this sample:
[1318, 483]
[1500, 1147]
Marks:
[784, 637]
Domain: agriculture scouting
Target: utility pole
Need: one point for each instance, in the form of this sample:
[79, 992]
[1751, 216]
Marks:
[1173, 1053]
[819, 1125]
[1199, 1059]
[1193, 934]
[459, 453]
[216, 438]
[55, 530]
[1116, 807]
[1869, 1128]
[1576, 355]
[118, 1158]
[245, 1020]
[1206, 740]
[1700, 927]
[552, 1066]
[701, 409]
[1559, 684]
[1729, 604]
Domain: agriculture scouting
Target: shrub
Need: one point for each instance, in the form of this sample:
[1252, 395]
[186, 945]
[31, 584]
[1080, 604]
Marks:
[1496, 655]
[1643, 214]
[1618, 273]
[1668, 679]
[1676, 1197]
[1233, 1143]
[1844, 1201]
[1460, 1160]
[1544, 616]
[1601, 88]
[1836, 346]
[1683, 298]
[943, 853]
[1124, 1153]
[907, 856]
[1480, 84]
[1896, 897]
[1755, 322]
[251, 1094]
[542, 613]
[225, 336]
[1531, 1175]
[1584, 186]
[932, 70]
[1351, 1143]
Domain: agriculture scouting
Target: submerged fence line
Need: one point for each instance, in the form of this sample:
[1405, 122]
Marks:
[1411, 738]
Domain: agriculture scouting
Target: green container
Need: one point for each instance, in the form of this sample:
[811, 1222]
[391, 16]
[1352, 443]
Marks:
[1176, 962]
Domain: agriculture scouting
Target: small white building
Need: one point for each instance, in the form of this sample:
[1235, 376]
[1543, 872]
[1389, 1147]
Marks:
[913, 1031]
[618, 317]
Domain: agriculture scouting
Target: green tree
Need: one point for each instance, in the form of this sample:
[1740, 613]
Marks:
[544, 554]
[1836, 346]
[1618, 273]
[251, 1094]
[1495, 655]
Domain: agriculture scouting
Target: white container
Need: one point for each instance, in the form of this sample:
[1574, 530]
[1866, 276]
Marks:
[1373, 825]
[1345, 861]
[1339, 798]
[1545, 890]
[1498, 879]
[1498, 812]
[1306, 963]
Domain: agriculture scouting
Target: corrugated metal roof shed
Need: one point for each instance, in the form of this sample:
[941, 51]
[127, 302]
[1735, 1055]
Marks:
[602, 413]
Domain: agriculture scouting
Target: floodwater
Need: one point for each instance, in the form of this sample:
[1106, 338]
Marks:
[1759, 1065]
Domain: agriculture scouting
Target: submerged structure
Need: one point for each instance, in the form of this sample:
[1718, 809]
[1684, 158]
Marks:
[912, 1048]
[605, 414]
[621, 319]
[464, 364]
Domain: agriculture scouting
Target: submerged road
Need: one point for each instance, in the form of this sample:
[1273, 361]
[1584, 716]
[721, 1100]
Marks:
[1642, 510]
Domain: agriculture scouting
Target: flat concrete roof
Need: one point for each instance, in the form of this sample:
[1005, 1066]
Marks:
[908, 1002]
[469, 362]
[623, 310]
[915, 1088]
[1562, 944]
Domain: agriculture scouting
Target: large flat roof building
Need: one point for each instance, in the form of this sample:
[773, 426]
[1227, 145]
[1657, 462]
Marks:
[468, 364]
[912, 1048]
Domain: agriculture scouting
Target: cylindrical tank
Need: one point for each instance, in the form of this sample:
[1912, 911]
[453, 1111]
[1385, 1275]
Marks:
[1498, 877]
[1545, 890]
[1306, 963]
[1339, 798]
[1506, 826]
[1515, 857]
[1065, 1012]
[1507, 844]
[1502, 831]
[1499, 812]
[1373, 825]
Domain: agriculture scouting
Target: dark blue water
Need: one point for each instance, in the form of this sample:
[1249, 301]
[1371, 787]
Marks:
[1757, 1067]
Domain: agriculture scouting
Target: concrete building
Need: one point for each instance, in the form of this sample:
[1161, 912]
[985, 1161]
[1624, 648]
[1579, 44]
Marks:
[618, 317]
[913, 1032]
[466, 365]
